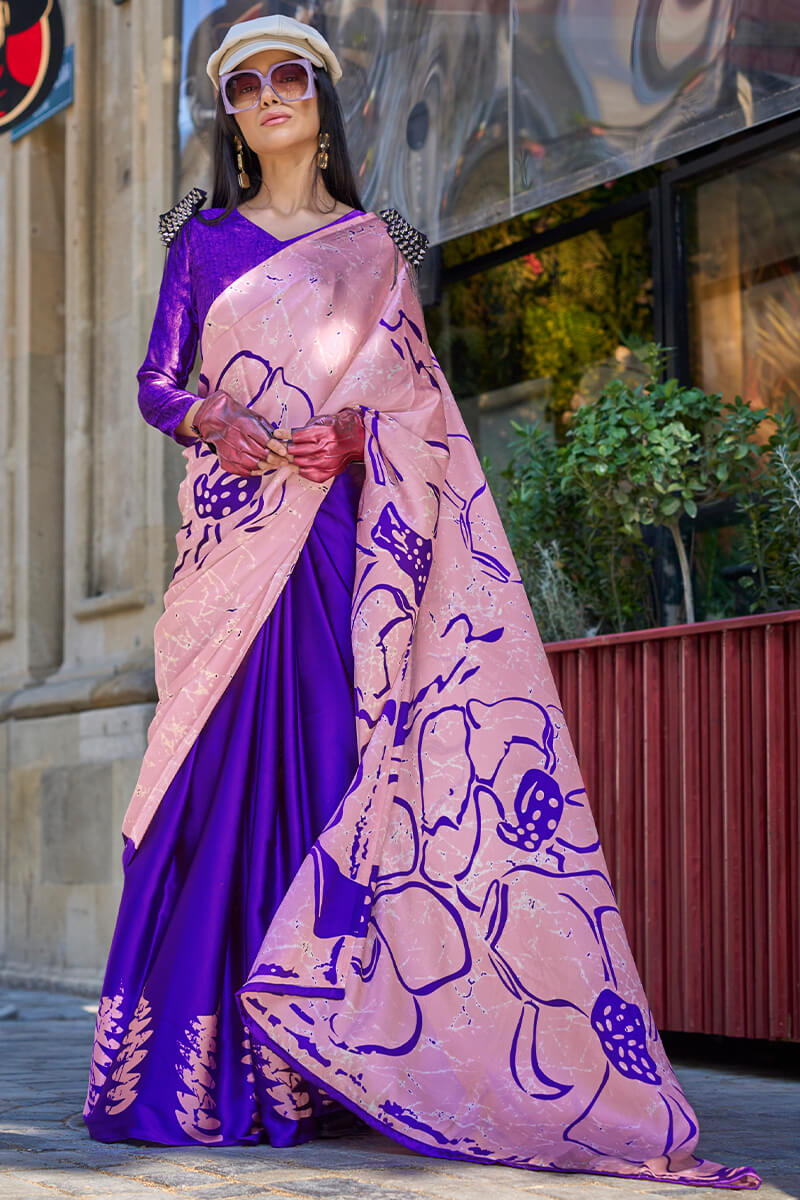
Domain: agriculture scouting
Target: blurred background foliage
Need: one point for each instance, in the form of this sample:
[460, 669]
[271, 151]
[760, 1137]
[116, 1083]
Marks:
[549, 314]
[581, 542]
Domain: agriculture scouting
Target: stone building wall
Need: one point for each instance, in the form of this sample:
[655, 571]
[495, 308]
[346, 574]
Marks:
[87, 490]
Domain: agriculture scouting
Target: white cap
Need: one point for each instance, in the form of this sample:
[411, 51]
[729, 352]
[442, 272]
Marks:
[272, 33]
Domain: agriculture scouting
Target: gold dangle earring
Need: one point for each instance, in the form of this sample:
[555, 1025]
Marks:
[242, 176]
[322, 150]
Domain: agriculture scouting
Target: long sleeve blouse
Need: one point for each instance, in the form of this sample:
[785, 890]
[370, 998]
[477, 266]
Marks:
[201, 262]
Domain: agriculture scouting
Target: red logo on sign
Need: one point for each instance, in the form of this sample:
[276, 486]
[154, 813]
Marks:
[31, 46]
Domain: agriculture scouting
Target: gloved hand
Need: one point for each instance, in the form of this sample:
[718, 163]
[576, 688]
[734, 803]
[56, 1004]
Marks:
[327, 444]
[238, 436]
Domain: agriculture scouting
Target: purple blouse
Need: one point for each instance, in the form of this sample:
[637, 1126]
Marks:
[201, 262]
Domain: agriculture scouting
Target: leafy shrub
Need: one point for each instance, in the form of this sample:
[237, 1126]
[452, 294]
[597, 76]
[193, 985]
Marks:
[647, 456]
[560, 611]
[772, 528]
[602, 575]
[652, 454]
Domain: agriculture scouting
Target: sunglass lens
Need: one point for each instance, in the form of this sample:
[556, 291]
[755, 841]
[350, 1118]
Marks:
[290, 81]
[243, 90]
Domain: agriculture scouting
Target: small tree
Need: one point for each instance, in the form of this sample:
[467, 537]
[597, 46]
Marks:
[650, 455]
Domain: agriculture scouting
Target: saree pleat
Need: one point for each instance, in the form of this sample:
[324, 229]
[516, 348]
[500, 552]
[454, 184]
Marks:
[259, 785]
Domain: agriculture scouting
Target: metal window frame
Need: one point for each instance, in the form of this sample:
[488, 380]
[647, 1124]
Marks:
[667, 203]
[598, 218]
[670, 224]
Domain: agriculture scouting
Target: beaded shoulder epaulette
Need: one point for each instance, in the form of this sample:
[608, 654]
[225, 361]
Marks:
[409, 240]
[171, 222]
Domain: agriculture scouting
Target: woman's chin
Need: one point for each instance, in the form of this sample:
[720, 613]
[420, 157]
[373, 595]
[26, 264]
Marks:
[280, 139]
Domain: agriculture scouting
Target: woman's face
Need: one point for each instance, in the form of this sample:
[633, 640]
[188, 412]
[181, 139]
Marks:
[264, 134]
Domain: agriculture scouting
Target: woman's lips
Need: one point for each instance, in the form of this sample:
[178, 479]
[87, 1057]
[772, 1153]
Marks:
[275, 119]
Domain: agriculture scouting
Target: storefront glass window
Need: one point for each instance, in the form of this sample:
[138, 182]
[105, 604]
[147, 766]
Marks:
[462, 116]
[744, 282]
[536, 337]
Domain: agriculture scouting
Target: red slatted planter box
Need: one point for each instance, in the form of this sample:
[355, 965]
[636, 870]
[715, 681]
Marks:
[689, 741]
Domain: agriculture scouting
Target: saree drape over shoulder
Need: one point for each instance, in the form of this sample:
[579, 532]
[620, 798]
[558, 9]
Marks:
[448, 960]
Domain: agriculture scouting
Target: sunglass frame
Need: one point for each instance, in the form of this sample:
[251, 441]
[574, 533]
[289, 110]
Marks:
[266, 82]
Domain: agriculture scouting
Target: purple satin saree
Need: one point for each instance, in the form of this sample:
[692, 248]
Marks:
[260, 784]
[360, 811]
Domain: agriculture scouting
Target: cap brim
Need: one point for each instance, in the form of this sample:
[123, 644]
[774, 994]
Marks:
[239, 53]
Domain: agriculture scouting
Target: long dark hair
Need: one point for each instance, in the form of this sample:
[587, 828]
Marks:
[338, 175]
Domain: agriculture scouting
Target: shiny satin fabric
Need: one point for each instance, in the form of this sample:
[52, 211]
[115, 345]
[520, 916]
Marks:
[202, 261]
[259, 785]
[448, 961]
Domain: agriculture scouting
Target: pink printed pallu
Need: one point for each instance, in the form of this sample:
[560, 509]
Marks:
[449, 961]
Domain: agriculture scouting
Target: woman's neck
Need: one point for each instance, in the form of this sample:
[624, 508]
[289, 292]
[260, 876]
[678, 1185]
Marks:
[287, 189]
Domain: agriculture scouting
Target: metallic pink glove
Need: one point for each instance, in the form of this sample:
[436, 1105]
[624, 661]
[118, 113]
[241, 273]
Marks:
[237, 436]
[327, 444]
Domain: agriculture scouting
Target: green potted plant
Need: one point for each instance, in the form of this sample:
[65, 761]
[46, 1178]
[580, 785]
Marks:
[651, 454]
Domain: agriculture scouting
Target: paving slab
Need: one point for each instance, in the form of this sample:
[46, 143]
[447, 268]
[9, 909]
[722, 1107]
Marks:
[746, 1114]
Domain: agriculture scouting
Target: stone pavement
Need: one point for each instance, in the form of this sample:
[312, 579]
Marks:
[745, 1114]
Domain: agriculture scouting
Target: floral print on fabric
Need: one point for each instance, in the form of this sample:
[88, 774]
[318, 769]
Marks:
[108, 1031]
[449, 960]
[133, 1050]
[197, 1070]
[120, 1046]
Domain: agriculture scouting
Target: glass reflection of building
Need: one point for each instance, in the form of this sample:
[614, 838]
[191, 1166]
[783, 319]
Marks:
[591, 173]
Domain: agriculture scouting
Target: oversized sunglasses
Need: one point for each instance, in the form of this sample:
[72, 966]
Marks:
[290, 81]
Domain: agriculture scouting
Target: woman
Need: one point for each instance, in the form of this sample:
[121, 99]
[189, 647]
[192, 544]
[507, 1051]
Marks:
[360, 870]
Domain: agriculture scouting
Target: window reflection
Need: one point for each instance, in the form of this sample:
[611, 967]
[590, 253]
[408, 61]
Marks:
[745, 282]
[537, 337]
[460, 114]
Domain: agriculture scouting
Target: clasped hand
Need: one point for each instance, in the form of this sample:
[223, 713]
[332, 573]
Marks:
[246, 444]
[327, 444]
